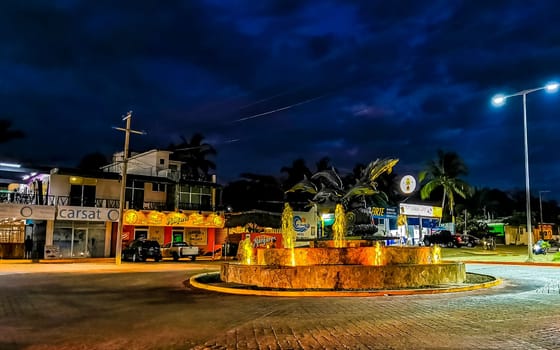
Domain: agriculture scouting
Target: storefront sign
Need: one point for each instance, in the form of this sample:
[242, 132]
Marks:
[197, 237]
[420, 210]
[266, 240]
[175, 219]
[305, 224]
[408, 184]
[391, 212]
[87, 214]
[22, 211]
[382, 213]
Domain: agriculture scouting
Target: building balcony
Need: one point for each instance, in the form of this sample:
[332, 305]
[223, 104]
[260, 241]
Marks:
[52, 200]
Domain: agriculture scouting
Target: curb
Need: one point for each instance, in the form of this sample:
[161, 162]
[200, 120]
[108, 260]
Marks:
[523, 263]
[389, 292]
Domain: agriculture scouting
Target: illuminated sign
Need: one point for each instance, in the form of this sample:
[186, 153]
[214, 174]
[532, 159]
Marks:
[328, 219]
[87, 214]
[420, 210]
[408, 184]
[175, 219]
[305, 224]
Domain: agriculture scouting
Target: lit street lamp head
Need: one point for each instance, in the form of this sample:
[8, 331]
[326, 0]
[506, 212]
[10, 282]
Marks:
[498, 100]
[552, 87]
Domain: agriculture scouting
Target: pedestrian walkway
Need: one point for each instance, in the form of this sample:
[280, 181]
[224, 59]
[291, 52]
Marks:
[507, 254]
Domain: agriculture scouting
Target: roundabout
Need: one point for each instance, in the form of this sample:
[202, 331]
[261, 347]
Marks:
[211, 282]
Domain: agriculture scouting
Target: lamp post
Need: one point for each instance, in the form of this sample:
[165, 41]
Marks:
[540, 207]
[499, 100]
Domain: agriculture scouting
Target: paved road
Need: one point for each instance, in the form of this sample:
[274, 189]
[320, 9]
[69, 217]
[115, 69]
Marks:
[147, 306]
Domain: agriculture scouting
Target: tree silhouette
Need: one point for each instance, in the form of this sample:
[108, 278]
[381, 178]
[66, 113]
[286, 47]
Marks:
[443, 173]
[254, 191]
[194, 154]
[296, 173]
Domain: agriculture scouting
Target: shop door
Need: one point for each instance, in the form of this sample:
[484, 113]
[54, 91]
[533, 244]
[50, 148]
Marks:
[80, 243]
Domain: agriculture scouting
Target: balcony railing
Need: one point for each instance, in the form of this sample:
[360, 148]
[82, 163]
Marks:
[27, 198]
[35, 199]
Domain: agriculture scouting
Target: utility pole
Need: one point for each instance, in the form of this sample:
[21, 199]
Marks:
[127, 131]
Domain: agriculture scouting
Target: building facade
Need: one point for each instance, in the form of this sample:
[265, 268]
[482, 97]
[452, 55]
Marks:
[71, 213]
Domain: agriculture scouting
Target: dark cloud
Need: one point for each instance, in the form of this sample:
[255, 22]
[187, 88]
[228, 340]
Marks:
[270, 81]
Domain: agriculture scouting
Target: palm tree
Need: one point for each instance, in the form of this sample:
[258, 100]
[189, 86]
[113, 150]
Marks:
[254, 191]
[323, 164]
[443, 173]
[194, 153]
[296, 173]
[7, 133]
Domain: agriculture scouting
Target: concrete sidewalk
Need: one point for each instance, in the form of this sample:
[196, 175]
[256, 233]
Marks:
[503, 254]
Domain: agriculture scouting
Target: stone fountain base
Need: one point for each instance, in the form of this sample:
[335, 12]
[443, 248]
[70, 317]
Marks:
[344, 269]
[344, 277]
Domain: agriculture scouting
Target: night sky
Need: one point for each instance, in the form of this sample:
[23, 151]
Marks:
[267, 82]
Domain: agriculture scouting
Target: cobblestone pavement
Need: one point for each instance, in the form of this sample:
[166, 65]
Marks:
[142, 309]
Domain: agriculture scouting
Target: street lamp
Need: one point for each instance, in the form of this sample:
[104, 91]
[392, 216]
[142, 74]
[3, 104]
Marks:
[540, 206]
[499, 100]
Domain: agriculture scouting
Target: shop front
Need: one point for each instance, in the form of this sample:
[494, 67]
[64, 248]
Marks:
[415, 221]
[201, 230]
[385, 219]
[81, 232]
[19, 221]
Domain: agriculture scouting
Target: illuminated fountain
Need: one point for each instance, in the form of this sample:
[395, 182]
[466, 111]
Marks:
[340, 267]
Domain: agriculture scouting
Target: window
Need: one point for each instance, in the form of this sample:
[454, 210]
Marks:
[82, 195]
[12, 232]
[135, 194]
[196, 195]
[157, 187]
[162, 161]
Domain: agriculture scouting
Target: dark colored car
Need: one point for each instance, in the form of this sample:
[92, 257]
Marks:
[469, 240]
[140, 250]
[443, 238]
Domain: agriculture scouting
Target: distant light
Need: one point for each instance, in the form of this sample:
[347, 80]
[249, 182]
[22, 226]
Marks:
[498, 100]
[552, 87]
[26, 177]
[11, 165]
[33, 174]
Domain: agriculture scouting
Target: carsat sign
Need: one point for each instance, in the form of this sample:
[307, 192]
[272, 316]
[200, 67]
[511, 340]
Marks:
[87, 214]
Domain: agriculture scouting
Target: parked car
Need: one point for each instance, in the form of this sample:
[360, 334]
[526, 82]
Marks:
[177, 250]
[443, 238]
[469, 240]
[140, 250]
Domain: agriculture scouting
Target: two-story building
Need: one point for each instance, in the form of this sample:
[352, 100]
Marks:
[72, 213]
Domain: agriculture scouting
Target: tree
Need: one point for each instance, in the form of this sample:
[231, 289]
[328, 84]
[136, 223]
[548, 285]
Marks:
[323, 164]
[194, 154]
[254, 191]
[7, 133]
[296, 173]
[444, 173]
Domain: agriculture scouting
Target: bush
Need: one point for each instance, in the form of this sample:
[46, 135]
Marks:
[556, 257]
